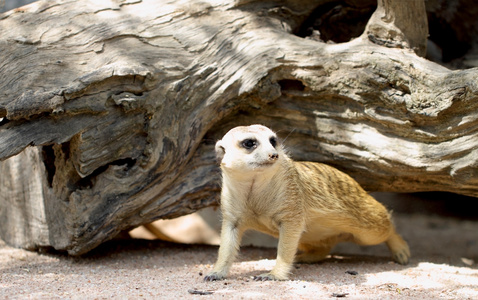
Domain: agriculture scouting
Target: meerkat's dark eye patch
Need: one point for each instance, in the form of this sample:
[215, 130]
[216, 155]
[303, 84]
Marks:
[249, 144]
[273, 141]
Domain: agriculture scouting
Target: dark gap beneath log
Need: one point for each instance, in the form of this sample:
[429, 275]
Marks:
[442, 204]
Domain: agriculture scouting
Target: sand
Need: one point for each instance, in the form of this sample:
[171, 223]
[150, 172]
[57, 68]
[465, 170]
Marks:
[443, 266]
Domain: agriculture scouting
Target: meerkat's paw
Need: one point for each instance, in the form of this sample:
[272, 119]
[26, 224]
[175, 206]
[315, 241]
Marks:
[269, 276]
[399, 249]
[402, 257]
[214, 276]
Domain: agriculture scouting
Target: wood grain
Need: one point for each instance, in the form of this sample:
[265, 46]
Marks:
[111, 110]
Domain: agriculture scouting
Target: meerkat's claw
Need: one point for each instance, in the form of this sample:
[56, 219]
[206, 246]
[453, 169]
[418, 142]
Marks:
[402, 257]
[214, 276]
[266, 277]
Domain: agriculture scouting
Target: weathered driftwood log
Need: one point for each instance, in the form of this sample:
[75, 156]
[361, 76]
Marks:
[110, 109]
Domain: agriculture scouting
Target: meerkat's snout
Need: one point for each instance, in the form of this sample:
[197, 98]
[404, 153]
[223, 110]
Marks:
[273, 156]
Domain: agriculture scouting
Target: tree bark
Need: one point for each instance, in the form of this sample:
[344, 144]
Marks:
[110, 110]
[398, 24]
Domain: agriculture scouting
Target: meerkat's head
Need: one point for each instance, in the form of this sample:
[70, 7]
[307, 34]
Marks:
[249, 148]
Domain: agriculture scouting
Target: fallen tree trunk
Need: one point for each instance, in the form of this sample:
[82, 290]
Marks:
[110, 110]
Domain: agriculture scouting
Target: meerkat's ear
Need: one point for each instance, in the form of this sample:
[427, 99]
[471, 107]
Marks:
[220, 151]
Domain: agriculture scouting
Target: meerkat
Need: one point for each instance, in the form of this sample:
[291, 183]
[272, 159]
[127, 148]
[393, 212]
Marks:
[309, 206]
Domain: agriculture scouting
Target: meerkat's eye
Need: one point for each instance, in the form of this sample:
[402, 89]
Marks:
[249, 144]
[273, 141]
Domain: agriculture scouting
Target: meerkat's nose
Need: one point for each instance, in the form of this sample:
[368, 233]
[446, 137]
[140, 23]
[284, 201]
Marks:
[273, 156]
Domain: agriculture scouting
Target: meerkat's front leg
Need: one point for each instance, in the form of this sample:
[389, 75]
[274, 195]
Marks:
[230, 242]
[289, 236]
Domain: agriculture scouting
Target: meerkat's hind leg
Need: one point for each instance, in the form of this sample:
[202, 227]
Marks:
[318, 251]
[399, 248]
[312, 255]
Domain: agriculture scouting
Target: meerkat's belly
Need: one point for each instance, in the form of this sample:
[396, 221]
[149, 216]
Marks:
[263, 224]
[315, 232]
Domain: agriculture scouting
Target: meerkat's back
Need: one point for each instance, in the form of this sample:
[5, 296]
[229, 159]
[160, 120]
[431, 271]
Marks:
[331, 191]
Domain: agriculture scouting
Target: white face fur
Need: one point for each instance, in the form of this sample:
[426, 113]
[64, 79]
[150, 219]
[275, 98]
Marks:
[248, 148]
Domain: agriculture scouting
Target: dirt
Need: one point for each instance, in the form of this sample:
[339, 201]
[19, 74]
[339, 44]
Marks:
[443, 265]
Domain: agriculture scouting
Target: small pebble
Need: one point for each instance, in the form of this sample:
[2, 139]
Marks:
[339, 295]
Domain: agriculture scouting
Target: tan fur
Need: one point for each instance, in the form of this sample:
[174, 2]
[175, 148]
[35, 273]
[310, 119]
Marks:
[308, 206]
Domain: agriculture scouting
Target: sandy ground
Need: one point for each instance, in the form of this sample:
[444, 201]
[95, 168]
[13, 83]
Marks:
[443, 266]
